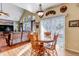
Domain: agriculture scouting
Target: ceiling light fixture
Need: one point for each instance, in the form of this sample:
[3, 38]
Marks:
[3, 13]
[40, 13]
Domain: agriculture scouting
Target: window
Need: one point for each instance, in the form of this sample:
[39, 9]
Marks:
[26, 25]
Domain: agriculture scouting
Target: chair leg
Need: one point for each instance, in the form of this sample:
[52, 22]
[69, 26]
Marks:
[55, 52]
[52, 53]
[48, 54]
[32, 53]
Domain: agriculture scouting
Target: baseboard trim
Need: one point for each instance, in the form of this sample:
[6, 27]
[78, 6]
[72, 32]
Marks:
[72, 50]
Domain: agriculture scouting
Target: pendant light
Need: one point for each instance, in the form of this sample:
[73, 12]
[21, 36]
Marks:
[40, 13]
[2, 13]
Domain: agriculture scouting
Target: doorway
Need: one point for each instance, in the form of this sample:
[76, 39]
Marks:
[55, 25]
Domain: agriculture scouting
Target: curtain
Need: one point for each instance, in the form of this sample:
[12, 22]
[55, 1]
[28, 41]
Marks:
[55, 25]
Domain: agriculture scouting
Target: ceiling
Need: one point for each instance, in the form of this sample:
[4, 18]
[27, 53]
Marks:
[15, 10]
[34, 7]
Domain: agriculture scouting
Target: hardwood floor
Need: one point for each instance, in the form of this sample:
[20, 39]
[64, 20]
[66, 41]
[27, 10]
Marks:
[4, 47]
[17, 48]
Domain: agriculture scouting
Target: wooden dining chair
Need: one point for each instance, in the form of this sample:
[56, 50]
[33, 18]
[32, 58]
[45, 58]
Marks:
[37, 47]
[52, 49]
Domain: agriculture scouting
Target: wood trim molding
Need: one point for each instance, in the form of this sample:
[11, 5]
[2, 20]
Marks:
[72, 50]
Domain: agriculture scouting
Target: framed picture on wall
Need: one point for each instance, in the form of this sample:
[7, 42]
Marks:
[74, 23]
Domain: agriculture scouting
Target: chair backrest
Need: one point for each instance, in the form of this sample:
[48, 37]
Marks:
[33, 37]
[55, 40]
[56, 37]
[36, 45]
[52, 43]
